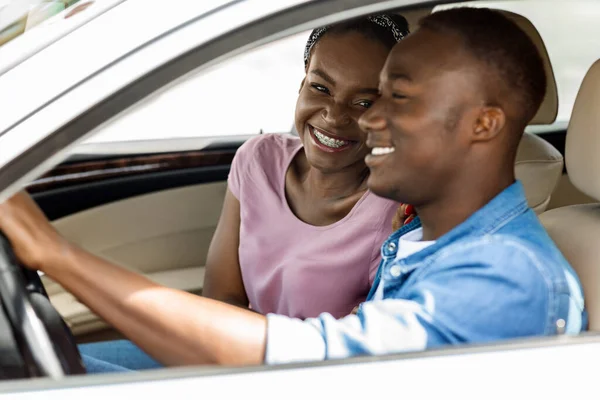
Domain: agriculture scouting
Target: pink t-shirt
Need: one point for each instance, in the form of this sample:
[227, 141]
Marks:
[288, 266]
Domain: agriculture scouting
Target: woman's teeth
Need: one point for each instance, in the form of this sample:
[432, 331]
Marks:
[329, 141]
[380, 151]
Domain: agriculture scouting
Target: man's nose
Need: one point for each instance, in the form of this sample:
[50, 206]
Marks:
[374, 118]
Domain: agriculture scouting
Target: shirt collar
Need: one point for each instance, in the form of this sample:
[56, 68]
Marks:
[501, 209]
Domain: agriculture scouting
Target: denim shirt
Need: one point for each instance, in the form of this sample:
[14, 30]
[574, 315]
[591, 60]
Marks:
[497, 275]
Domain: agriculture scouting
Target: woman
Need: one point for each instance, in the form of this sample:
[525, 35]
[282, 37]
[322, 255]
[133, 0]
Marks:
[299, 234]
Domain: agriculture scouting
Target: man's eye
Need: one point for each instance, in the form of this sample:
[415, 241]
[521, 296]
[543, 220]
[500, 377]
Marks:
[320, 88]
[365, 103]
[398, 96]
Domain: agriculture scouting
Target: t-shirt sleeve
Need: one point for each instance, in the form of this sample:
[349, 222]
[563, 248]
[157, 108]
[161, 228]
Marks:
[240, 165]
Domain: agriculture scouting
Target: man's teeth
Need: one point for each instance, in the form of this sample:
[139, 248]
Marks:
[329, 141]
[379, 151]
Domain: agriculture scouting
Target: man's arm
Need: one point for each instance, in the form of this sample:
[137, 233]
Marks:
[174, 327]
[448, 303]
[474, 301]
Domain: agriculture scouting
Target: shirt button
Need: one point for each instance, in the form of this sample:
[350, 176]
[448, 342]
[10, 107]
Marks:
[395, 271]
[391, 246]
[560, 326]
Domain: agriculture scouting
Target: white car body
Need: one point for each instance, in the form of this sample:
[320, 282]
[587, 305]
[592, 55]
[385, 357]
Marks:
[123, 64]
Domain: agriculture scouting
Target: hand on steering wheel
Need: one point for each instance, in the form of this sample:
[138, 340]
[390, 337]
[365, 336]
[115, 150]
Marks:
[45, 338]
[34, 240]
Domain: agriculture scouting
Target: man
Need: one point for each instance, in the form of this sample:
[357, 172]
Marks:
[476, 265]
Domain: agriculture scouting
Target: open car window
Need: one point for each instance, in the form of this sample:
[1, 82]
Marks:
[28, 26]
[248, 94]
[256, 91]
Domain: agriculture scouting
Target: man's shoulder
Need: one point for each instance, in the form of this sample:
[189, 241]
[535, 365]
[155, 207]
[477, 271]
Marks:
[508, 253]
[488, 246]
[522, 265]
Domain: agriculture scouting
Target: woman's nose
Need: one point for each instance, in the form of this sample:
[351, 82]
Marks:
[336, 115]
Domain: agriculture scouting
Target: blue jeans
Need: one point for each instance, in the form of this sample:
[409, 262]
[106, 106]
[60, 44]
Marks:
[115, 356]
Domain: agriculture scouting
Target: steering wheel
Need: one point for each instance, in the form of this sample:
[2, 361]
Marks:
[44, 340]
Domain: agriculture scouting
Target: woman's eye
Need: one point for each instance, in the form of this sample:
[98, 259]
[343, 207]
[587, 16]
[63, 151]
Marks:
[320, 88]
[365, 103]
[398, 96]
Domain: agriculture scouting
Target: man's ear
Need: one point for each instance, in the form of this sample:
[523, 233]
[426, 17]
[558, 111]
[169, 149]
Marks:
[489, 124]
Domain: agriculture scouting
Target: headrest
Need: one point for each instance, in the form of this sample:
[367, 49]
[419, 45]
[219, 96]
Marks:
[582, 147]
[549, 108]
[538, 166]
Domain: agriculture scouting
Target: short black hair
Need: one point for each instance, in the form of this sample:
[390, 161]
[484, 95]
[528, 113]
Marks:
[371, 30]
[503, 46]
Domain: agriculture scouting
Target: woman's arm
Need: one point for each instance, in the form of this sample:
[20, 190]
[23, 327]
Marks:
[223, 277]
[174, 327]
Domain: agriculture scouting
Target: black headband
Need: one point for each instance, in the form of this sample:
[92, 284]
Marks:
[382, 20]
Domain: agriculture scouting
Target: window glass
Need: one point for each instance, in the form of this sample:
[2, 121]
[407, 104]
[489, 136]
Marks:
[256, 91]
[249, 93]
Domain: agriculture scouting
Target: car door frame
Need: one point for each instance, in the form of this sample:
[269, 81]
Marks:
[548, 367]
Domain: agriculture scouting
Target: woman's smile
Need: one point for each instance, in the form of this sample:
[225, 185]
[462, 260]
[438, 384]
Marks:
[328, 142]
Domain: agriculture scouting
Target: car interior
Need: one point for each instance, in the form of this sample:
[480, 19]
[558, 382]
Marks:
[131, 218]
[574, 227]
[155, 212]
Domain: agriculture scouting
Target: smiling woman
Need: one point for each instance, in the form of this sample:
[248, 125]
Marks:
[282, 188]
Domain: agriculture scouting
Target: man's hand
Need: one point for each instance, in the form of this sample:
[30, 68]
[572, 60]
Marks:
[34, 240]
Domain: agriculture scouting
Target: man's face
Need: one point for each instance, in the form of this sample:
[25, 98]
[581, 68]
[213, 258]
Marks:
[420, 129]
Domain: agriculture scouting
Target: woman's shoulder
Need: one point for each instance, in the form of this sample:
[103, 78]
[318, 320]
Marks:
[269, 147]
[262, 159]
[379, 209]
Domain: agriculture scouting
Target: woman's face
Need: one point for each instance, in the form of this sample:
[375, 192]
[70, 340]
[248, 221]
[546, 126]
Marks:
[341, 83]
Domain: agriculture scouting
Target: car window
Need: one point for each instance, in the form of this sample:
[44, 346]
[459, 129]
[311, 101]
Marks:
[256, 91]
[28, 26]
[18, 17]
[250, 93]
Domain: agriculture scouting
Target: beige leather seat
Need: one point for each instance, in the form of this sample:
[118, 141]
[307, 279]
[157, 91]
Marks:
[539, 167]
[576, 229]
